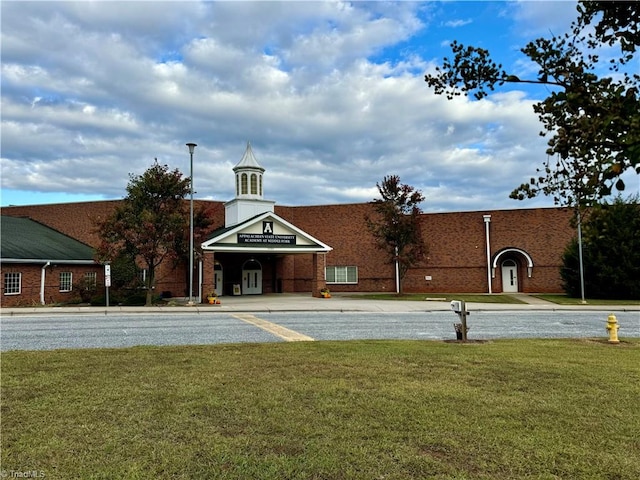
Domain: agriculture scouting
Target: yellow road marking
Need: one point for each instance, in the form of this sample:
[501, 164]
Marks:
[279, 331]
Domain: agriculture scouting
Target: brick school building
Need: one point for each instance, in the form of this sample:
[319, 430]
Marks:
[258, 247]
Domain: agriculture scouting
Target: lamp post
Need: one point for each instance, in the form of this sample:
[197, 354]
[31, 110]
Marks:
[191, 146]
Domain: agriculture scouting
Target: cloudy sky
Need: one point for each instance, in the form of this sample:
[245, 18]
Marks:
[331, 96]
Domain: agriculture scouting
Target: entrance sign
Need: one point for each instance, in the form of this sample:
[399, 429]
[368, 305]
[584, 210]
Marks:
[264, 233]
[266, 238]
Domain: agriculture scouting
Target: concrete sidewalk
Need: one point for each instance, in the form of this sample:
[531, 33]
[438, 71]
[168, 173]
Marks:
[287, 302]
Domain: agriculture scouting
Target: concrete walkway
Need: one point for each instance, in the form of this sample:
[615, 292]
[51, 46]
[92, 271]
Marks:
[287, 302]
[531, 300]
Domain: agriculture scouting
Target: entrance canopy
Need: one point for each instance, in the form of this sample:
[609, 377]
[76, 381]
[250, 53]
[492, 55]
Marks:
[516, 251]
[264, 233]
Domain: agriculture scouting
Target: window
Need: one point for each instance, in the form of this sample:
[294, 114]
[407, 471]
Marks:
[66, 281]
[90, 280]
[12, 283]
[243, 184]
[341, 274]
[254, 184]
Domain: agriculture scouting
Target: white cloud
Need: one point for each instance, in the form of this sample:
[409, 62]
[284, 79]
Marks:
[93, 91]
[544, 18]
[457, 23]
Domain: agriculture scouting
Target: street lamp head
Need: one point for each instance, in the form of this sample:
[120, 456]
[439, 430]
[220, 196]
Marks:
[191, 146]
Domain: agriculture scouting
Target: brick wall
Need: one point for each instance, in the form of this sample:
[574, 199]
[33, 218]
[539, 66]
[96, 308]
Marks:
[31, 283]
[343, 228]
[456, 259]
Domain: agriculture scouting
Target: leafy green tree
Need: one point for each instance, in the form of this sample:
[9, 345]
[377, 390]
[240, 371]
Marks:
[611, 249]
[396, 227]
[148, 222]
[126, 281]
[594, 121]
[125, 273]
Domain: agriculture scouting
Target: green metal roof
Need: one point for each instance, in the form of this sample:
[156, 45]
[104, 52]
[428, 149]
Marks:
[25, 239]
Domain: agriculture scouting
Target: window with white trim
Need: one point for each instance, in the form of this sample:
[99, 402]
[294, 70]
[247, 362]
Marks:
[12, 283]
[341, 274]
[66, 281]
[90, 279]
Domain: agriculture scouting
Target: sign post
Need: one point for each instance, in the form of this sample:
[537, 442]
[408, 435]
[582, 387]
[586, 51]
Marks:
[463, 318]
[107, 281]
[460, 308]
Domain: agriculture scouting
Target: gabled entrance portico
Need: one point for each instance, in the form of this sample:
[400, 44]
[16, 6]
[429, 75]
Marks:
[258, 251]
[259, 262]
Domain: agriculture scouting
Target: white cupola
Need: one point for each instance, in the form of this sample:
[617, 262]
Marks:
[249, 200]
[248, 176]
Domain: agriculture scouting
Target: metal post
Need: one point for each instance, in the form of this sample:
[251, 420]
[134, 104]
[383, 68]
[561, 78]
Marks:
[107, 282]
[463, 319]
[580, 258]
[191, 146]
[487, 220]
[581, 266]
[397, 273]
[199, 296]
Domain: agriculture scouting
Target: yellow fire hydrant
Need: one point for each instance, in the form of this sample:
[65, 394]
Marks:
[612, 328]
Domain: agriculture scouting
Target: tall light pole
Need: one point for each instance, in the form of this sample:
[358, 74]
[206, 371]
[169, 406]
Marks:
[580, 260]
[191, 146]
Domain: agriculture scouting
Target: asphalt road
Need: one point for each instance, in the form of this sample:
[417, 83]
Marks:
[62, 331]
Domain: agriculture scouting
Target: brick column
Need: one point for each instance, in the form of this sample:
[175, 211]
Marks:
[317, 282]
[285, 273]
[208, 260]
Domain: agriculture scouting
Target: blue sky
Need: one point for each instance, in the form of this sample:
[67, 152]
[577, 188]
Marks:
[331, 96]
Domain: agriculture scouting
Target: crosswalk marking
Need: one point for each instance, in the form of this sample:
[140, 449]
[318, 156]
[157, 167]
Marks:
[279, 331]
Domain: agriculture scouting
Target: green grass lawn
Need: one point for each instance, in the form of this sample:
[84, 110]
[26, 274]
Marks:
[508, 409]
[493, 298]
[565, 300]
[421, 297]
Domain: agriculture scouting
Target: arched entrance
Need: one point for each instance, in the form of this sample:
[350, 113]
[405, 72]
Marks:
[509, 276]
[252, 277]
[511, 260]
[217, 278]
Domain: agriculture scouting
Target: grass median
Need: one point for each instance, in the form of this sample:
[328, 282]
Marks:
[537, 409]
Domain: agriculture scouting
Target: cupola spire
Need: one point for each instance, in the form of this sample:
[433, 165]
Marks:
[249, 200]
[249, 176]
